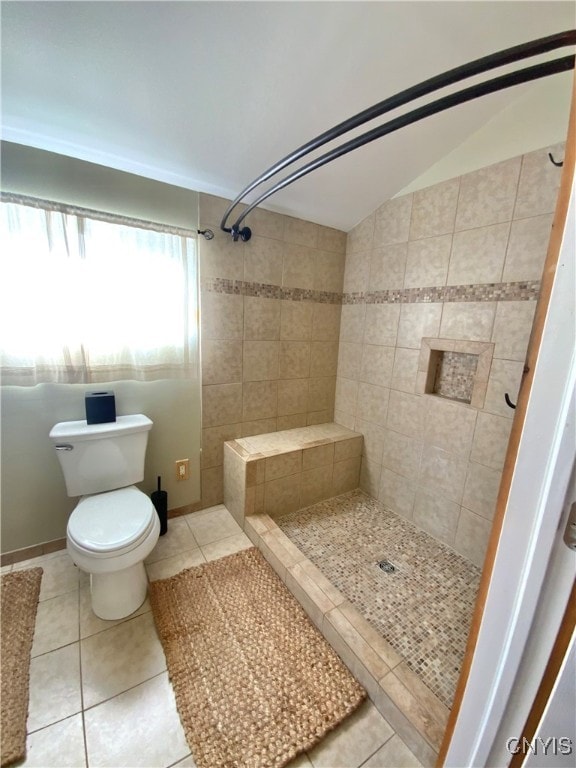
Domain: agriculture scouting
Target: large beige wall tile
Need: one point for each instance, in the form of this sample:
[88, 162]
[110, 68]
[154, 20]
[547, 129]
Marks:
[373, 440]
[472, 320]
[346, 475]
[372, 403]
[220, 257]
[512, 328]
[323, 358]
[221, 404]
[401, 454]
[212, 208]
[478, 255]
[300, 232]
[442, 473]
[282, 495]
[376, 365]
[434, 210]
[527, 248]
[266, 223]
[261, 360]
[259, 426]
[406, 413]
[221, 361]
[298, 266]
[263, 261]
[348, 449]
[316, 486]
[330, 239]
[491, 440]
[296, 320]
[472, 536]
[370, 473]
[329, 271]
[397, 493]
[212, 486]
[321, 393]
[222, 316]
[487, 196]
[352, 323]
[292, 396]
[427, 262]
[320, 417]
[382, 324]
[356, 272]
[326, 322]
[346, 396]
[392, 221]
[318, 456]
[349, 359]
[405, 369]
[437, 516]
[505, 377]
[291, 421]
[259, 400]
[294, 359]
[261, 319]
[449, 425]
[387, 267]
[213, 439]
[360, 238]
[418, 321]
[282, 465]
[539, 182]
[481, 489]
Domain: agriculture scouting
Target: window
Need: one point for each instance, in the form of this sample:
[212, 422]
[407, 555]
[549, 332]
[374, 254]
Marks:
[89, 300]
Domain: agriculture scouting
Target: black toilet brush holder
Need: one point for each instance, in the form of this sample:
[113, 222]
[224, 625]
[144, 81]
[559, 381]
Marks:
[160, 501]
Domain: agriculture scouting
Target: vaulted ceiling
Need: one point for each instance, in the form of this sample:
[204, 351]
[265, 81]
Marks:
[207, 95]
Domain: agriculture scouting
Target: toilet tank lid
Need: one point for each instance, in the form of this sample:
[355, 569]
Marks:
[81, 430]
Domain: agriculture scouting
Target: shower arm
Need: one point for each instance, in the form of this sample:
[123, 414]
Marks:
[465, 71]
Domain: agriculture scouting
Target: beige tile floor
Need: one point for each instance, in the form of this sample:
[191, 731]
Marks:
[99, 690]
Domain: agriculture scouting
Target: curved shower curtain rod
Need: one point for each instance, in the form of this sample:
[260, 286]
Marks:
[476, 67]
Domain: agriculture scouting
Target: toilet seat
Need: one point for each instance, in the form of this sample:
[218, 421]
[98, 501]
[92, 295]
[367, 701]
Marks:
[111, 524]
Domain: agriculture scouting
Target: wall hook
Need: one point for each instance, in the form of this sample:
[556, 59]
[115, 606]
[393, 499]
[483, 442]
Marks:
[554, 162]
[508, 401]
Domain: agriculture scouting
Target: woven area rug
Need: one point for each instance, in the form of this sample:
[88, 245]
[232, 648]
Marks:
[19, 593]
[254, 680]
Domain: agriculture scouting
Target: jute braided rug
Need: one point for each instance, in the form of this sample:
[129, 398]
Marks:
[255, 682]
[20, 591]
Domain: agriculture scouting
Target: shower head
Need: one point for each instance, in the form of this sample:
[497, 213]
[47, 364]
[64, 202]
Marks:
[208, 234]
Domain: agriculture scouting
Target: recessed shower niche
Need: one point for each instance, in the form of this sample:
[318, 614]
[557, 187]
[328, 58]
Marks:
[455, 370]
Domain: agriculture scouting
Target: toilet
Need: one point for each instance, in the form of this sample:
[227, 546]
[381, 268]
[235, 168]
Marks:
[114, 526]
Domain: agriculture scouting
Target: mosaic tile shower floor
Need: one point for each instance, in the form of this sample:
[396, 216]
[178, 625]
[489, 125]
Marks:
[423, 609]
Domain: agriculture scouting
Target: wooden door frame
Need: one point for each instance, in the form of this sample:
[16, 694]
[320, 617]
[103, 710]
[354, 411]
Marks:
[502, 505]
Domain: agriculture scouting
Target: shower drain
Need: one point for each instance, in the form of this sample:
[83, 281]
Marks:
[386, 566]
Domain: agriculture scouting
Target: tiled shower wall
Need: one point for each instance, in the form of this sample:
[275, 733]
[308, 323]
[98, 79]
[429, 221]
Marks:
[270, 327]
[459, 260]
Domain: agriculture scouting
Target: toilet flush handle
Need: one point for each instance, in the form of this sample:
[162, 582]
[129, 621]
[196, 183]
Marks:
[64, 447]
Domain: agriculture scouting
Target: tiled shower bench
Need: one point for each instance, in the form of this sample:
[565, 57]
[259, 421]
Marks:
[281, 472]
[272, 474]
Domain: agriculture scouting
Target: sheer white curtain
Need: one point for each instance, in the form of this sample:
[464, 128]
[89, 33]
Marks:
[84, 300]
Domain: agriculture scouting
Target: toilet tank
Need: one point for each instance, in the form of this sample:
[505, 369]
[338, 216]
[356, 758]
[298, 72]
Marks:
[101, 457]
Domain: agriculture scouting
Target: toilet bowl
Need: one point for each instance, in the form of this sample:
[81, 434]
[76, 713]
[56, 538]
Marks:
[108, 536]
[114, 526]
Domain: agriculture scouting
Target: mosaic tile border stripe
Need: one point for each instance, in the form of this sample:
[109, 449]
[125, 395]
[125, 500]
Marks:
[268, 291]
[519, 291]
